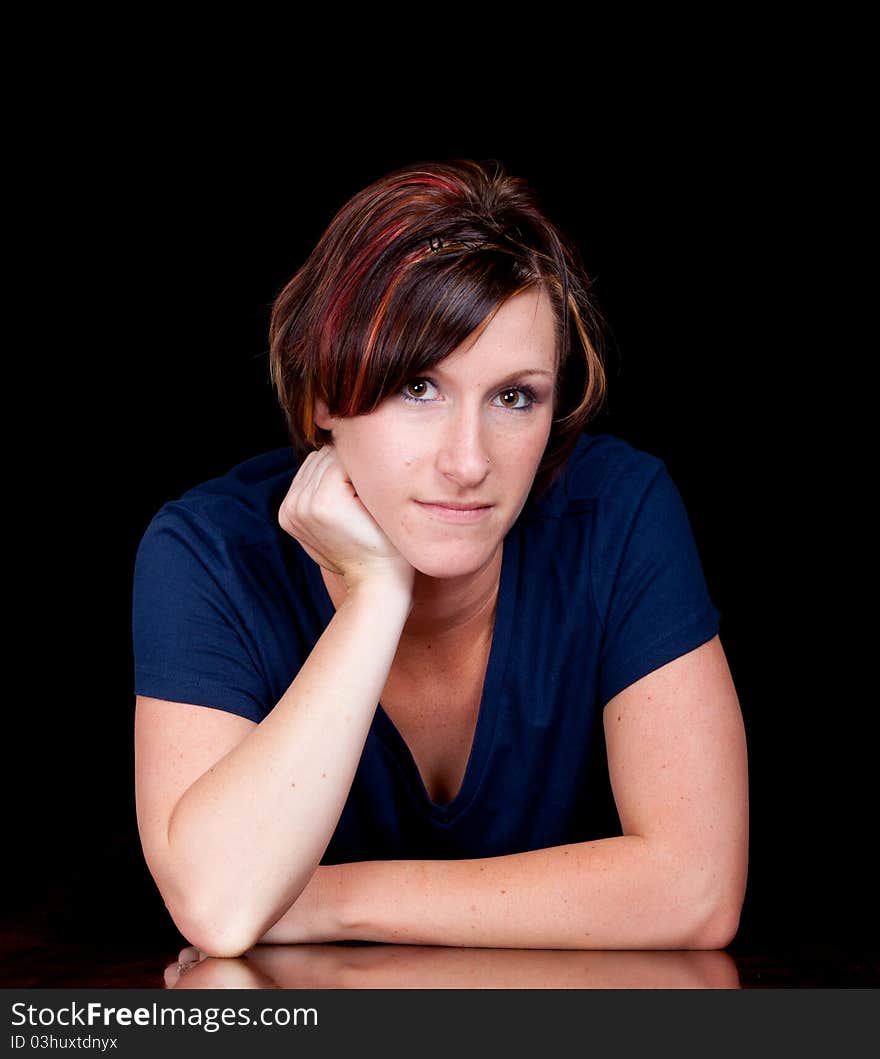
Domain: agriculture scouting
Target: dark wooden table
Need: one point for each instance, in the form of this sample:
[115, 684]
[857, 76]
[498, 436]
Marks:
[31, 959]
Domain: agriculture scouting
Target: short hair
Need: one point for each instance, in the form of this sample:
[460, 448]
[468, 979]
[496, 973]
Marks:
[405, 272]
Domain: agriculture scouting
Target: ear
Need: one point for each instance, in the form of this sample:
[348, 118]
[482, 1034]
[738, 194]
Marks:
[322, 416]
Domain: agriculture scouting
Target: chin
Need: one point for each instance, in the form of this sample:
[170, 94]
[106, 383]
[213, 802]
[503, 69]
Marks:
[444, 563]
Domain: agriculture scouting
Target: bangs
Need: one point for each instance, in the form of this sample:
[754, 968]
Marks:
[403, 325]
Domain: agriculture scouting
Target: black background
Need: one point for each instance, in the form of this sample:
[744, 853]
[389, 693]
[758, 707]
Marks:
[152, 255]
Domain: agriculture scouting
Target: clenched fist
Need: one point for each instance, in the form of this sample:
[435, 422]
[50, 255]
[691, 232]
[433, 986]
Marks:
[324, 513]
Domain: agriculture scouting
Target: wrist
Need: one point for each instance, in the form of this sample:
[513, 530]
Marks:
[385, 591]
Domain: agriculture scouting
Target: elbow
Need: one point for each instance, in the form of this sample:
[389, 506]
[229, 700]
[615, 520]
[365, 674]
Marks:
[716, 907]
[718, 933]
[214, 934]
[224, 949]
[210, 921]
[717, 929]
[224, 946]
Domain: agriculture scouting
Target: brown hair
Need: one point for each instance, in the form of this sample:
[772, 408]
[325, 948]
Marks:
[406, 271]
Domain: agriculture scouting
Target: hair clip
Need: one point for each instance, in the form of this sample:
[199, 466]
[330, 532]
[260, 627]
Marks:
[436, 244]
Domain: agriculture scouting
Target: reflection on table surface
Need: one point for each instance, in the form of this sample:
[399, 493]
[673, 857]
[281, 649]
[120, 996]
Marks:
[32, 959]
[440, 967]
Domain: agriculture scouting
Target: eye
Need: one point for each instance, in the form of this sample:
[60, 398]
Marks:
[510, 395]
[420, 386]
[416, 392]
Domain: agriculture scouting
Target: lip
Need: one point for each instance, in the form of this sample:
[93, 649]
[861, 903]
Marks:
[462, 513]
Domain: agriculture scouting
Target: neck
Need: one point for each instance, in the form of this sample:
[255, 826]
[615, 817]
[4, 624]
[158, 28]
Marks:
[446, 609]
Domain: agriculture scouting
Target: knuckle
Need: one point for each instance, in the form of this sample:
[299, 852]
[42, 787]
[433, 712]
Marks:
[287, 516]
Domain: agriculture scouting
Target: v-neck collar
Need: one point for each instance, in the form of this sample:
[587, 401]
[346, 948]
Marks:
[490, 702]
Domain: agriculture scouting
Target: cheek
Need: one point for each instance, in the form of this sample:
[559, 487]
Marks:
[524, 446]
[388, 456]
[377, 472]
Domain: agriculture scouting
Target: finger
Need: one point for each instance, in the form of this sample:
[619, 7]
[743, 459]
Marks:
[301, 482]
[187, 959]
[311, 469]
[320, 473]
[332, 465]
[306, 468]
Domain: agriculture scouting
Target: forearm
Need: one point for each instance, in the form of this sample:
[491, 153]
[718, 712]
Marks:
[612, 893]
[245, 839]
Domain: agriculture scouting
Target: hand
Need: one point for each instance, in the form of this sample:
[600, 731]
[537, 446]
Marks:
[194, 969]
[324, 513]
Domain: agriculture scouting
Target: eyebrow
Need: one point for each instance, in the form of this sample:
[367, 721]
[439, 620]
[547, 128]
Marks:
[511, 377]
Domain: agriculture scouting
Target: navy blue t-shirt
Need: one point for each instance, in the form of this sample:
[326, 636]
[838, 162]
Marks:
[601, 583]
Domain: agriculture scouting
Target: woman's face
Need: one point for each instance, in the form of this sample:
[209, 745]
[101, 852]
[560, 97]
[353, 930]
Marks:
[473, 433]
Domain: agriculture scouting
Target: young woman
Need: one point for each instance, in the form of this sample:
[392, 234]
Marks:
[445, 670]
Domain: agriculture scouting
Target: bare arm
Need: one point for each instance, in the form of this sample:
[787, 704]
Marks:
[675, 879]
[234, 817]
[245, 838]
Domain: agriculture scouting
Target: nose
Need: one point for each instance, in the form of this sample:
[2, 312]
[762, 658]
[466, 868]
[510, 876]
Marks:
[462, 453]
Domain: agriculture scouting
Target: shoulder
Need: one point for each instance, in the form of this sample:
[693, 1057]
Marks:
[212, 606]
[237, 507]
[602, 470]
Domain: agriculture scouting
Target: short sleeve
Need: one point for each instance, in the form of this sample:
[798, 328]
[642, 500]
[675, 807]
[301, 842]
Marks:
[650, 588]
[191, 619]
